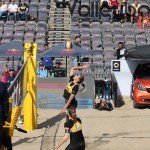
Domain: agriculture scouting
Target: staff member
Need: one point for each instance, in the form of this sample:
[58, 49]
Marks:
[72, 88]
[73, 127]
[4, 109]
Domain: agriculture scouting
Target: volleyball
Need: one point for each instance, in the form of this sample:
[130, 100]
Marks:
[68, 45]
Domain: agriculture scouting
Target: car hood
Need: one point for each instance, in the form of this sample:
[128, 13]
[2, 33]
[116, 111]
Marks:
[145, 82]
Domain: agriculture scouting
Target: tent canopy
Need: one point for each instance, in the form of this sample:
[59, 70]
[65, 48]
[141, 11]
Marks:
[139, 52]
[12, 49]
[60, 50]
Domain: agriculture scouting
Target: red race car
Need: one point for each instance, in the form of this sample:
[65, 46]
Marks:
[140, 92]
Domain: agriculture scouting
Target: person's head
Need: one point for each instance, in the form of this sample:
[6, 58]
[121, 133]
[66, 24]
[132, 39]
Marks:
[136, 2]
[41, 66]
[12, 1]
[77, 38]
[57, 64]
[46, 46]
[79, 78]
[11, 71]
[120, 45]
[72, 112]
[123, 2]
[3, 2]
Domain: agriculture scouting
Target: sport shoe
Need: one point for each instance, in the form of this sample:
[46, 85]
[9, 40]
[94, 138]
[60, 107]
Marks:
[20, 121]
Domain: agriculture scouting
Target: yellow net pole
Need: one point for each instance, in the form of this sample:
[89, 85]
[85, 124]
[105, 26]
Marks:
[30, 112]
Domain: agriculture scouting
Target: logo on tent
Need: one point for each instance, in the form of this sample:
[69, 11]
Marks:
[13, 51]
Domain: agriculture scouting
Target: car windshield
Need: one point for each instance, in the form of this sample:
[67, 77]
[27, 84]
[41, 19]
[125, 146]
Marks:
[143, 72]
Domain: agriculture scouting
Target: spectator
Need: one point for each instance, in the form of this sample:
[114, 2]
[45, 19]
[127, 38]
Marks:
[61, 4]
[12, 9]
[104, 4]
[3, 9]
[77, 42]
[58, 71]
[120, 52]
[11, 76]
[23, 11]
[6, 74]
[47, 61]
[114, 8]
[136, 13]
[42, 71]
[123, 9]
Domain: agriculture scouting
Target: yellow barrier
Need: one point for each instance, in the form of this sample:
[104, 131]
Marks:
[14, 118]
[30, 117]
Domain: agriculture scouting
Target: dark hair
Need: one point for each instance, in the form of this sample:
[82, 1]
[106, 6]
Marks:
[46, 44]
[77, 36]
[120, 43]
[72, 112]
[81, 78]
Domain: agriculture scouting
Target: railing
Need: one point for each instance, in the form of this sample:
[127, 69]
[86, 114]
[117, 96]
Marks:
[18, 89]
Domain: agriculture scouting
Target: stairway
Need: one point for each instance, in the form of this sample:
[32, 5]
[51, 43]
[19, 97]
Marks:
[59, 25]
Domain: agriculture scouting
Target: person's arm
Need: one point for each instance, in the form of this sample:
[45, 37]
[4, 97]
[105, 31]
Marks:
[78, 67]
[8, 8]
[27, 8]
[64, 139]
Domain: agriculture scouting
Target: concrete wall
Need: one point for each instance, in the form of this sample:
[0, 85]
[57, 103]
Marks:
[50, 93]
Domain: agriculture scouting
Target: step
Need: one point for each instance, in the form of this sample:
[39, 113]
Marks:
[58, 38]
[59, 35]
[58, 32]
[59, 21]
[59, 15]
[59, 18]
[59, 26]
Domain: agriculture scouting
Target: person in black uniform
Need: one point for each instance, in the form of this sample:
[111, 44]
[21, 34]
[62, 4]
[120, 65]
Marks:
[73, 126]
[11, 76]
[72, 88]
[4, 109]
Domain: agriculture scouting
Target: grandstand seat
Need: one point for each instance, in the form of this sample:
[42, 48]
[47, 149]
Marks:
[18, 36]
[129, 44]
[127, 25]
[5, 41]
[97, 59]
[7, 35]
[119, 37]
[42, 24]
[43, 14]
[95, 31]
[129, 38]
[40, 36]
[139, 31]
[117, 31]
[141, 42]
[128, 31]
[84, 24]
[96, 43]
[28, 38]
[19, 29]
[96, 25]
[33, 9]
[20, 23]
[116, 25]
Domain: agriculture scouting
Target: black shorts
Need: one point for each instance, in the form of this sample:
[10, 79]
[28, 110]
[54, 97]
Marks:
[78, 146]
[74, 103]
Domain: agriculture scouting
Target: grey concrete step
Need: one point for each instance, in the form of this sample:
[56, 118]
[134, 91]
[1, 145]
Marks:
[58, 39]
[58, 32]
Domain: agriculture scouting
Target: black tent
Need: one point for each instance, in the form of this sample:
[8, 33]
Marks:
[138, 52]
